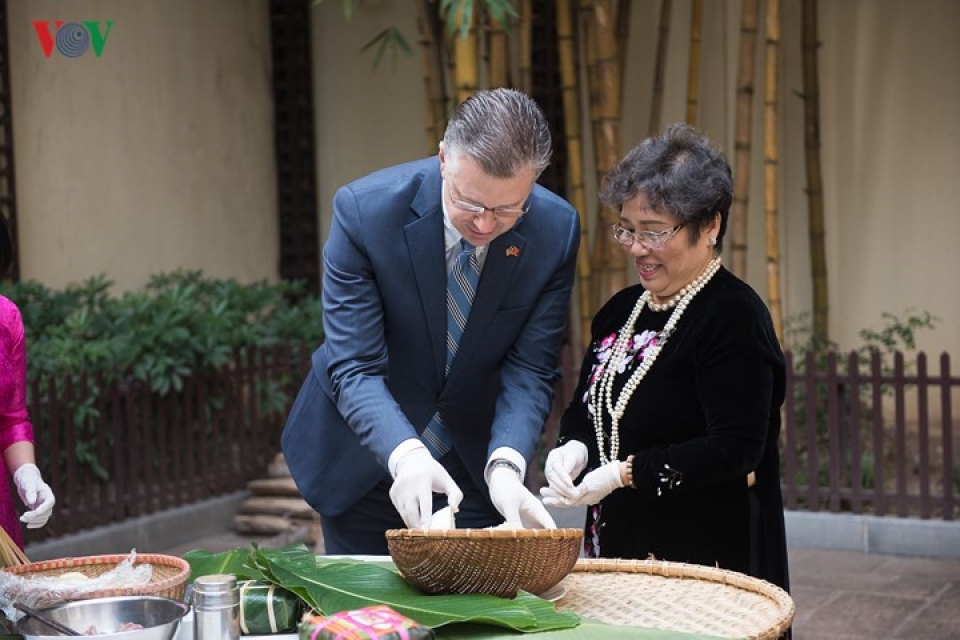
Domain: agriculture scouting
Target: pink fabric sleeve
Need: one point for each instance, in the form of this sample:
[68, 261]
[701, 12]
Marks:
[15, 423]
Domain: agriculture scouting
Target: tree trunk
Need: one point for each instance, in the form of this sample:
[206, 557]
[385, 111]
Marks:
[770, 162]
[811, 118]
[567, 54]
[743, 135]
[659, 67]
[693, 64]
[604, 80]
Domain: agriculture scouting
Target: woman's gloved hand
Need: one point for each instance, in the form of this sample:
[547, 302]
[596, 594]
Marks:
[562, 467]
[36, 495]
[596, 486]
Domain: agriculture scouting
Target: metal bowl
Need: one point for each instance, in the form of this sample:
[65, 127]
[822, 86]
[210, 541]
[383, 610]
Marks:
[160, 618]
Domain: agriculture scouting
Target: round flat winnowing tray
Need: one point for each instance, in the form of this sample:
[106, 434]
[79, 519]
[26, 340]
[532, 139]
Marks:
[675, 596]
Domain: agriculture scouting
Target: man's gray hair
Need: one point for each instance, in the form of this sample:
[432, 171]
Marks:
[502, 130]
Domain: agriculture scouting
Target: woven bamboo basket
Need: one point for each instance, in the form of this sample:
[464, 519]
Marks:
[673, 596]
[169, 579]
[492, 561]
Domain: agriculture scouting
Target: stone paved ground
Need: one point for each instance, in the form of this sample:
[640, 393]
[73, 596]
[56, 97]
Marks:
[840, 595]
[844, 595]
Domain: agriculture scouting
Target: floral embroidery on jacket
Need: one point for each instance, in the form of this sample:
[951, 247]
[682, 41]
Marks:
[637, 350]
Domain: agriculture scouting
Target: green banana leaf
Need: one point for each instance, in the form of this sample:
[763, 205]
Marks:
[330, 585]
[237, 561]
[302, 565]
[339, 585]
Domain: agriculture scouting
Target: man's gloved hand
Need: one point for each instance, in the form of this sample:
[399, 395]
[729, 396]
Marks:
[416, 479]
[519, 507]
[36, 495]
[596, 486]
[563, 466]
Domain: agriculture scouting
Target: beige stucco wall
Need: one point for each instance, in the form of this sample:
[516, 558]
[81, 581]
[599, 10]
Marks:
[367, 118]
[158, 155]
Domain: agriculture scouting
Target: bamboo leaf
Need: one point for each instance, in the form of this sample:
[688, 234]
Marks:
[501, 11]
[390, 39]
[459, 16]
[337, 585]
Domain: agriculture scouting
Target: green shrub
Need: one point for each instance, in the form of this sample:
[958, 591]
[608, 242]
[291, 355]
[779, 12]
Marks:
[179, 325]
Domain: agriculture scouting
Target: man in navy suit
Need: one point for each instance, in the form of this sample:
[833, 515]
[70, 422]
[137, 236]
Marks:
[355, 440]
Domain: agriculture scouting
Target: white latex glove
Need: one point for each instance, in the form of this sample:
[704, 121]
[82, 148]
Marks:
[35, 493]
[417, 477]
[563, 465]
[518, 506]
[596, 486]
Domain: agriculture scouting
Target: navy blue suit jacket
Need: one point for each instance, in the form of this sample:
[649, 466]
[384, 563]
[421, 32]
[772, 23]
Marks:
[378, 377]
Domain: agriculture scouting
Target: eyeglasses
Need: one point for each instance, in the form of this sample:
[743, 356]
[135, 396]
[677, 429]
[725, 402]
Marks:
[507, 213]
[651, 240]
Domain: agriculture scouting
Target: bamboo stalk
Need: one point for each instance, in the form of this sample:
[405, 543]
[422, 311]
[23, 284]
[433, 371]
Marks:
[524, 30]
[605, 112]
[623, 39]
[743, 136]
[693, 63]
[566, 50]
[465, 54]
[771, 162]
[811, 119]
[498, 69]
[432, 76]
[659, 67]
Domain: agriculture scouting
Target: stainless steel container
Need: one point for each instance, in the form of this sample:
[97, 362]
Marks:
[216, 608]
[159, 617]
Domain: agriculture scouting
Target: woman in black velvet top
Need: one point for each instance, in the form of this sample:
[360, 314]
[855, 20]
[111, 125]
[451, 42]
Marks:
[677, 412]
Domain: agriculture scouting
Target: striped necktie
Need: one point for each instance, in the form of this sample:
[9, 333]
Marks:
[461, 288]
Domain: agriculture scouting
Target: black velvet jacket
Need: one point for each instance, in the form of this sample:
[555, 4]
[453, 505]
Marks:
[706, 414]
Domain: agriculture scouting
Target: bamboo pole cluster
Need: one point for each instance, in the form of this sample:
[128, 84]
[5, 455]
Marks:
[469, 45]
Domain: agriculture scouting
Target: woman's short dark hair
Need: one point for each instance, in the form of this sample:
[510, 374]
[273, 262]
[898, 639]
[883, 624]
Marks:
[677, 172]
[6, 247]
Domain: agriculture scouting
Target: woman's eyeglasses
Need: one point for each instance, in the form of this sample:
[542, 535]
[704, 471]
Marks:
[651, 240]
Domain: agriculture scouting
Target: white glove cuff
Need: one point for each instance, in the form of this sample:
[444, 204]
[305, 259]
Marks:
[615, 469]
[402, 449]
[509, 455]
[25, 468]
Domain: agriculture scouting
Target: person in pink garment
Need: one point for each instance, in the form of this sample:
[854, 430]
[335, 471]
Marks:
[16, 431]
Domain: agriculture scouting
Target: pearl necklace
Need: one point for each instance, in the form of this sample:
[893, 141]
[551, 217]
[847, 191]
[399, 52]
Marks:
[672, 302]
[601, 391]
